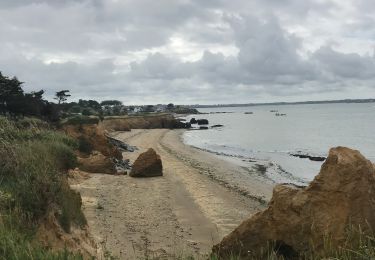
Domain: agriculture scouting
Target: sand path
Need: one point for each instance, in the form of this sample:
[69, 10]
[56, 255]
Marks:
[182, 213]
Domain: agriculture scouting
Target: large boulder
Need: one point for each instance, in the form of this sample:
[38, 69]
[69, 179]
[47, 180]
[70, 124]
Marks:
[148, 164]
[341, 195]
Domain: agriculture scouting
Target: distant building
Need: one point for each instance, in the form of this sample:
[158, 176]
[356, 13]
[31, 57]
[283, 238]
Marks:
[160, 108]
[134, 110]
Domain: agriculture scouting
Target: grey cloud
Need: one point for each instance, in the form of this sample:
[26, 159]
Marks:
[90, 36]
[350, 65]
[267, 51]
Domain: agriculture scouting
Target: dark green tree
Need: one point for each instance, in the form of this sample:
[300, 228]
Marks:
[62, 96]
[111, 103]
[149, 108]
[14, 102]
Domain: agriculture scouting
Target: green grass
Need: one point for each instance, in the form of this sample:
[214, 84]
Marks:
[34, 161]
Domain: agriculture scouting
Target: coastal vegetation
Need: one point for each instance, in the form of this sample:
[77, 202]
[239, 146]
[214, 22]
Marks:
[14, 102]
[33, 184]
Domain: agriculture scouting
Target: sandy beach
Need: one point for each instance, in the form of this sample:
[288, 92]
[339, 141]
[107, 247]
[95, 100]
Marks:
[200, 199]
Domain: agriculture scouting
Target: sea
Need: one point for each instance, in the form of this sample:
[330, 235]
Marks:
[260, 139]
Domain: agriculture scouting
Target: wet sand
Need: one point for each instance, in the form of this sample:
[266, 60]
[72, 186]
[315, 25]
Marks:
[193, 206]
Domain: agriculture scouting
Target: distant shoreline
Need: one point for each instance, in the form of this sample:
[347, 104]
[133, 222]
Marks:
[341, 101]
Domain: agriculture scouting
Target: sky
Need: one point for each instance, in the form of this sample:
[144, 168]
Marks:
[191, 51]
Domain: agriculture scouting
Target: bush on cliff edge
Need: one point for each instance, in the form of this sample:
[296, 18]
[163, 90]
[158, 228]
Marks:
[33, 166]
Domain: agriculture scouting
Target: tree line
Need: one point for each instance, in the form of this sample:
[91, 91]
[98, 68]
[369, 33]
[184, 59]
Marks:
[15, 102]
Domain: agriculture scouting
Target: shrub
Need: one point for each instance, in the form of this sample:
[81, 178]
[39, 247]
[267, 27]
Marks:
[71, 203]
[84, 145]
[87, 112]
[66, 157]
[32, 173]
[31, 122]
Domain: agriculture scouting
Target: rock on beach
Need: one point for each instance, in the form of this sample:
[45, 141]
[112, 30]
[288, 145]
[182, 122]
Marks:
[148, 164]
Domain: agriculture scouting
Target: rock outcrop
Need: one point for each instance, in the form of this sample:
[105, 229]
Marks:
[315, 158]
[193, 121]
[202, 122]
[341, 195]
[97, 163]
[123, 147]
[148, 164]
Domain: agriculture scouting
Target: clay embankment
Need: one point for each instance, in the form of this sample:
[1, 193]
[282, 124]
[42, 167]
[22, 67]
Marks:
[152, 121]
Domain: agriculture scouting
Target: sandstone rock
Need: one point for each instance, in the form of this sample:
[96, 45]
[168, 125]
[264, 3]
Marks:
[342, 194]
[97, 163]
[148, 164]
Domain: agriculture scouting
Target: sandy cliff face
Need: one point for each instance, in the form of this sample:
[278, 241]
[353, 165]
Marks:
[342, 194]
[95, 135]
[141, 122]
[51, 235]
[100, 160]
[55, 233]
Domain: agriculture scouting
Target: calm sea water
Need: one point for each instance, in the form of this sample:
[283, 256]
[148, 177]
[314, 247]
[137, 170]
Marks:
[264, 141]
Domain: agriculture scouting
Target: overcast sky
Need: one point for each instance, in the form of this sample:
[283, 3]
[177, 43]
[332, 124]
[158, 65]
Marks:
[191, 51]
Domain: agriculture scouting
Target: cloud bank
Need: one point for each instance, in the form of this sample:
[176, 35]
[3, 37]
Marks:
[191, 51]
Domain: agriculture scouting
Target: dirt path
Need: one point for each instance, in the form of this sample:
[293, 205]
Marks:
[182, 213]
